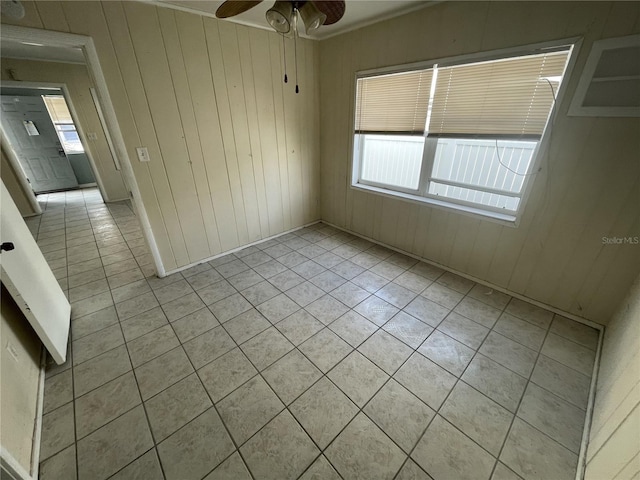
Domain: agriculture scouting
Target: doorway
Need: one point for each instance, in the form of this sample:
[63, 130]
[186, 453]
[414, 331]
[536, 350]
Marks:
[41, 131]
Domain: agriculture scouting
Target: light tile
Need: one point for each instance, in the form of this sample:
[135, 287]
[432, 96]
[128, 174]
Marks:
[58, 390]
[477, 311]
[376, 310]
[412, 281]
[408, 329]
[477, 416]
[230, 307]
[203, 279]
[226, 373]
[562, 380]
[245, 279]
[216, 292]
[456, 282]
[464, 330]
[576, 332]
[385, 351]
[208, 346]
[444, 452]
[551, 415]
[327, 281]
[83, 326]
[246, 325]
[326, 309]
[280, 450]
[442, 295]
[134, 306]
[105, 403]
[176, 406]
[299, 326]
[427, 311]
[286, 280]
[143, 323]
[363, 451]
[266, 347]
[396, 295]
[196, 449]
[358, 378]
[524, 448]
[321, 469]
[490, 296]
[61, 465]
[568, 353]
[353, 328]
[260, 293]
[278, 308]
[509, 354]
[531, 313]
[370, 281]
[57, 431]
[429, 382]
[146, 467]
[233, 468]
[521, 331]
[400, 414]
[411, 471]
[291, 376]
[308, 269]
[182, 306]
[349, 294]
[249, 408]
[497, 382]
[113, 446]
[162, 372]
[101, 369]
[450, 354]
[97, 343]
[151, 345]
[305, 293]
[194, 324]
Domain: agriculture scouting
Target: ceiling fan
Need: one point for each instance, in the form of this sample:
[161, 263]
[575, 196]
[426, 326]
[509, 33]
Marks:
[283, 14]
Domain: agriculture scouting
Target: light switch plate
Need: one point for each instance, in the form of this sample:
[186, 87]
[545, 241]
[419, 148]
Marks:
[92, 136]
[143, 154]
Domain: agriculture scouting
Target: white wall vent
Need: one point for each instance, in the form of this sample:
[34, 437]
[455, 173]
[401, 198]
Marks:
[610, 82]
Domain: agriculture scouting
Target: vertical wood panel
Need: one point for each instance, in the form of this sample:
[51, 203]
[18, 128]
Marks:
[52, 16]
[178, 71]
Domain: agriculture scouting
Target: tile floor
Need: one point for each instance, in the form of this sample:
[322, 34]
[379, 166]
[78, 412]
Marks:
[316, 355]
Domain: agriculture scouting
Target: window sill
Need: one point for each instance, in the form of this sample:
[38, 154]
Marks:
[504, 219]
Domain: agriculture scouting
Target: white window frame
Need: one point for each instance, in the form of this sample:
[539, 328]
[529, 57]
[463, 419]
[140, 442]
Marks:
[421, 195]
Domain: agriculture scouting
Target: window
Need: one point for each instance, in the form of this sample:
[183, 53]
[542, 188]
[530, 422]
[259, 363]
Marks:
[63, 123]
[457, 134]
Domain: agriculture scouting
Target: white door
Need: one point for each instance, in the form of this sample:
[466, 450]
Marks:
[27, 276]
[38, 149]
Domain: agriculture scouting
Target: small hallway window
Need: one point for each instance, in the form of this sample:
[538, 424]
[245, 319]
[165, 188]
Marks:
[63, 123]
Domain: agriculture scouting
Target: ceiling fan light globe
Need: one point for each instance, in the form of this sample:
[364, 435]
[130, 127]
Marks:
[279, 16]
[311, 17]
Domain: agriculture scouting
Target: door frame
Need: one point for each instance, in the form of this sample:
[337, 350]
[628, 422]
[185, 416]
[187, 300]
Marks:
[74, 116]
[20, 175]
[86, 43]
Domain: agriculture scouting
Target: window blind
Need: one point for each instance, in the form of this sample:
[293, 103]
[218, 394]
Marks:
[505, 98]
[393, 104]
[57, 108]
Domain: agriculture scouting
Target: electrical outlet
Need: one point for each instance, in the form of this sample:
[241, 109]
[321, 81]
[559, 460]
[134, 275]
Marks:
[143, 154]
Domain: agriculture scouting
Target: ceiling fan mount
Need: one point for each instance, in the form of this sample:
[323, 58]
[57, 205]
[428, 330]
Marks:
[284, 13]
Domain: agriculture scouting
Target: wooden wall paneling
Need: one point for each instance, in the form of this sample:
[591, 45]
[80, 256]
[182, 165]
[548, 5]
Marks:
[52, 16]
[277, 79]
[138, 130]
[623, 268]
[328, 85]
[600, 220]
[434, 231]
[463, 242]
[315, 111]
[622, 19]
[248, 82]
[216, 47]
[484, 243]
[309, 111]
[239, 126]
[388, 220]
[292, 135]
[573, 213]
[191, 33]
[176, 58]
[420, 234]
[144, 29]
[266, 125]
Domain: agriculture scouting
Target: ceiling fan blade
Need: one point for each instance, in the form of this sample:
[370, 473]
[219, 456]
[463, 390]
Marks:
[231, 8]
[334, 10]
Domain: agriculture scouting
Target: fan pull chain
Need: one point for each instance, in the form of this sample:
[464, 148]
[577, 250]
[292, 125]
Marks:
[284, 50]
[295, 56]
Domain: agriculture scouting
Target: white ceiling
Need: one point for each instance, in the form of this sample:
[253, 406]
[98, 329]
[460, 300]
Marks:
[358, 13]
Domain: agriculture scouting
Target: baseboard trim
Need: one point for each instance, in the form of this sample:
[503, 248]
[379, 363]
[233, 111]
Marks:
[237, 249]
